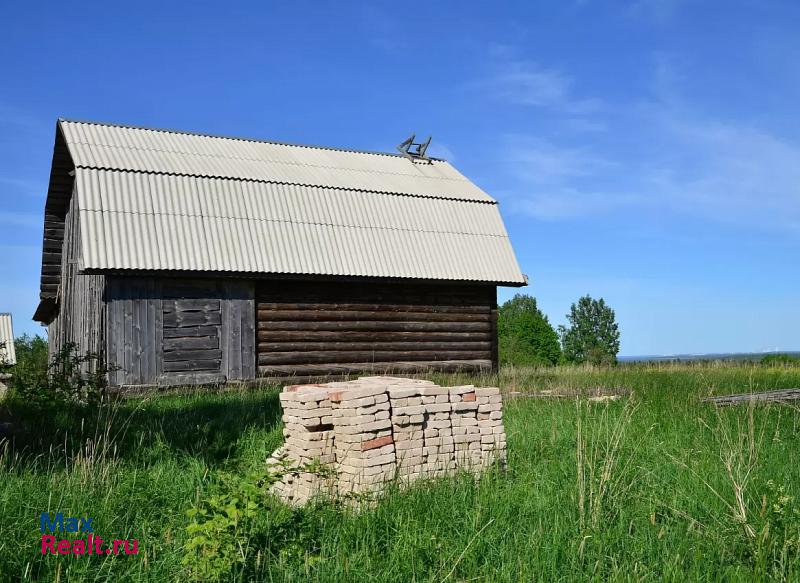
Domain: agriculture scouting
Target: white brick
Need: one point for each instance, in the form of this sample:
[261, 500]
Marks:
[361, 392]
[363, 402]
[356, 420]
[403, 392]
[426, 391]
[411, 410]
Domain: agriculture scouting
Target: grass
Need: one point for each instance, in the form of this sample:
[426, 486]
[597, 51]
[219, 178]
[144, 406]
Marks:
[656, 486]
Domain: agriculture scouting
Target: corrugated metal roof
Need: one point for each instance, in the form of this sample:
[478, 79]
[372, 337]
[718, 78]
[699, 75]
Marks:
[7, 353]
[156, 200]
[143, 150]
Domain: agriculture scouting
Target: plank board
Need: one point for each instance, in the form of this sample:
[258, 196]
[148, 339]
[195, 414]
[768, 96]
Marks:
[765, 397]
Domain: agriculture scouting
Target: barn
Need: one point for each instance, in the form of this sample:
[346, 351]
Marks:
[193, 259]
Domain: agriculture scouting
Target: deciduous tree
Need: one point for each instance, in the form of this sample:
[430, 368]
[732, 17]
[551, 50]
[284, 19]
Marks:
[593, 333]
[525, 334]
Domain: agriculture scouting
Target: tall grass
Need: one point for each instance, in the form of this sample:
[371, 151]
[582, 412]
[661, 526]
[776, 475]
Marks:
[655, 486]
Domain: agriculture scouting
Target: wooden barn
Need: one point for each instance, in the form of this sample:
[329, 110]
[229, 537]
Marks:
[189, 258]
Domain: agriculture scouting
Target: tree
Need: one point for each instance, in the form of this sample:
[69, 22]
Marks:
[525, 335]
[593, 334]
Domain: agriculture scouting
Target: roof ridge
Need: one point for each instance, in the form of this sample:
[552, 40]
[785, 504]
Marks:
[236, 138]
[246, 159]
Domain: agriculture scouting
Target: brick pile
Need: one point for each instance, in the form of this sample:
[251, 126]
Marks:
[377, 429]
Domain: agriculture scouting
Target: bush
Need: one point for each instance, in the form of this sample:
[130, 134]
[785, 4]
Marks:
[69, 378]
[780, 360]
[31, 367]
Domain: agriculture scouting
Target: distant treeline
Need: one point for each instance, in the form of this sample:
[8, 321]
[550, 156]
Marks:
[771, 359]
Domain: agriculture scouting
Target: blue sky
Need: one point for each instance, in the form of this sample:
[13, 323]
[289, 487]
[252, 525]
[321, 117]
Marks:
[647, 152]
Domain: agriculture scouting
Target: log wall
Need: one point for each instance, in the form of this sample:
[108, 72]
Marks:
[79, 317]
[312, 328]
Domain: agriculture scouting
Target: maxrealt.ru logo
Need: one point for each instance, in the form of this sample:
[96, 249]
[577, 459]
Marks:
[91, 545]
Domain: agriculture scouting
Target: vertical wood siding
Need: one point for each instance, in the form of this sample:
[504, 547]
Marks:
[80, 316]
[185, 331]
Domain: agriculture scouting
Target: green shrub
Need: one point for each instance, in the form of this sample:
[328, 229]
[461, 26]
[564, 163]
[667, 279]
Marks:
[225, 529]
[31, 366]
[779, 360]
[69, 377]
[525, 335]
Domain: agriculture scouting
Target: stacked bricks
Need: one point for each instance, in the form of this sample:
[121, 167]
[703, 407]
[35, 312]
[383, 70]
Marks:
[439, 450]
[364, 446]
[377, 429]
[466, 435]
[490, 426]
[408, 423]
[309, 437]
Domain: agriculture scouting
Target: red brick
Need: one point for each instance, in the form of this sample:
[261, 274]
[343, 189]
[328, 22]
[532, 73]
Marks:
[376, 443]
[468, 397]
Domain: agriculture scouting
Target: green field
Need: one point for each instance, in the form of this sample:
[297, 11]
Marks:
[654, 486]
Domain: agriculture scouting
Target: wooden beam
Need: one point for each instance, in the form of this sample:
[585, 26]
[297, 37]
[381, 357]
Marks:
[333, 356]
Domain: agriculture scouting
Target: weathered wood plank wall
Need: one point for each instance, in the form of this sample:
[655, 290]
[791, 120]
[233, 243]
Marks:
[180, 332]
[310, 328]
[80, 315]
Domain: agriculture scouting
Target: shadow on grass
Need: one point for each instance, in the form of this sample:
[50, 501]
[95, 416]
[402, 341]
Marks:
[207, 426]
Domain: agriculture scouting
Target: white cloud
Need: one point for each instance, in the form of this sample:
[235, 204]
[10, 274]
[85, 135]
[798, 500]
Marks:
[689, 163]
[526, 83]
[732, 172]
[537, 160]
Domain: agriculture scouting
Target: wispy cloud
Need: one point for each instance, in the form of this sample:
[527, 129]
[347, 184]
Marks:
[529, 84]
[694, 164]
[540, 161]
[732, 172]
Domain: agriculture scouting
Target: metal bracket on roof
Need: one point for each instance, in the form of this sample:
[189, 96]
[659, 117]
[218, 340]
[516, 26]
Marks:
[413, 150]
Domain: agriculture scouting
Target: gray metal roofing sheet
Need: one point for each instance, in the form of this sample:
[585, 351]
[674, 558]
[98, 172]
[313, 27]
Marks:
[7, 354]
[143, 150]
[155, 200]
